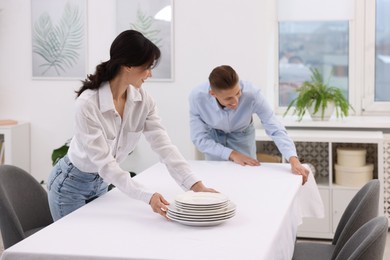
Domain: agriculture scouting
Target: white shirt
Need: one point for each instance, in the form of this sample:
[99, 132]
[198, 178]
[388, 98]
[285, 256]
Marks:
[102, 139]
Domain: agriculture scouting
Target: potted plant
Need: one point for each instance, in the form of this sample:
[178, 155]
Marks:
[60, 152]
[319, 98]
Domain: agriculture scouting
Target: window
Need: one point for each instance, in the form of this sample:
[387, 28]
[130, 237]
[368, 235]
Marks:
[312, 44]
[382, 51]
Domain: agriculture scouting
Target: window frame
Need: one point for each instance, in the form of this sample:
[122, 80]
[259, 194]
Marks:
[369, 105]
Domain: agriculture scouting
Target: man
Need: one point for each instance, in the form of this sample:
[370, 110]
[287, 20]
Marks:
[221, 121]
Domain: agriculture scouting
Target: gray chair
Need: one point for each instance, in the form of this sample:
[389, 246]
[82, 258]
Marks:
[362, 208]
[368, 243]
[24, 208]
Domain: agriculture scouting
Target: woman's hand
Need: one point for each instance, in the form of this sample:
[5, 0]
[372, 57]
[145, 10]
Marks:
[199, 186]
[159, 204]
[298, 168]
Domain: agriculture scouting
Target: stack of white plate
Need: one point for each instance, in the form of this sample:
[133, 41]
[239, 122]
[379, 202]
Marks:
[201, 209]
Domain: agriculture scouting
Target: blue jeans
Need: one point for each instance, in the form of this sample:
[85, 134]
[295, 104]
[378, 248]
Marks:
[242, 142]
[69, 188]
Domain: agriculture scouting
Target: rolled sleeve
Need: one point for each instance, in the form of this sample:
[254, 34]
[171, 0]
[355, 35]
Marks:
[274, 128]
[160, 142]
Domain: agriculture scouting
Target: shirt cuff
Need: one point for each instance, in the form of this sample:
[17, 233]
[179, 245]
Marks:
[226, 153]
[189, 182]
[288, 156]
[146, 196]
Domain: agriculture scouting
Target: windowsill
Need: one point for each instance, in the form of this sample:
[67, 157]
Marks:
[356, 122]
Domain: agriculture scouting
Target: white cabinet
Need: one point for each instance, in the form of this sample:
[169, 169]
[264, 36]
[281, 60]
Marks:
[16, 142]
[340, 199]
[318, 147]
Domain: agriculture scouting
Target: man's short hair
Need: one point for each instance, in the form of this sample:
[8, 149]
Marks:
[223, 77]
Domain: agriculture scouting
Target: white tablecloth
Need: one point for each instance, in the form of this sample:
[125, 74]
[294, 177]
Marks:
[270, 203]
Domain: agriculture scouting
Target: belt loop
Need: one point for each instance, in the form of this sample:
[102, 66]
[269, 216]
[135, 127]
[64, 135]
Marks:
[66, 160]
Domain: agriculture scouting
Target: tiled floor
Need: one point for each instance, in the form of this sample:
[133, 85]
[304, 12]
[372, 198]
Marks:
[386, 255]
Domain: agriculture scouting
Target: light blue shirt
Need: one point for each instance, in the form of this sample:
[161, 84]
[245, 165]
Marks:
[207, 114]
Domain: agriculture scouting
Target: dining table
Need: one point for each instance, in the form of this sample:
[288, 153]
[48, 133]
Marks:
[270, 203]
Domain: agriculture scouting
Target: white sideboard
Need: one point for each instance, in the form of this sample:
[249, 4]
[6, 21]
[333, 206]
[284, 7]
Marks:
[16, 141]
[318, 147]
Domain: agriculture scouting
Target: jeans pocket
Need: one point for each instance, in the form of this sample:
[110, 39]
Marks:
[59, 173]
[55, 172]
[82, 177]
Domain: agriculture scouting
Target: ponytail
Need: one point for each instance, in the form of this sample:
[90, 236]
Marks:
[130, 48]
[104, 72]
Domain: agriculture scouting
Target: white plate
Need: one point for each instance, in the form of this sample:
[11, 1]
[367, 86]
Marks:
[229, 208]
[201, 198]
[208, 207]
[200, 218]
[195, 215]
[202, 205]
[199, 223]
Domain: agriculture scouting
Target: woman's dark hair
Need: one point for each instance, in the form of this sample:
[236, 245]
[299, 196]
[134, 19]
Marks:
[223, 77]
[130, 48]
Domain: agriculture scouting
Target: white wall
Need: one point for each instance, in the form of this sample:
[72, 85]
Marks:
[208, 33]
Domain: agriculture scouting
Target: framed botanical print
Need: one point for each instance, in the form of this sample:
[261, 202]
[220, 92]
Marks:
[154, 19]
[59, 39]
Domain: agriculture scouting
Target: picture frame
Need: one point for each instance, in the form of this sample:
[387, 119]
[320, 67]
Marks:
[59, 39]
[154, 19]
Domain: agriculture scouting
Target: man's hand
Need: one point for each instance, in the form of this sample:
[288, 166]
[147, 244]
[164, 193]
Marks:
[242, 159]
[298, 168]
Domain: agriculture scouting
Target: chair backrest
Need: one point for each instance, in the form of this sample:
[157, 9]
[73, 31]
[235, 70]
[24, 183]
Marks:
[23, 205]
[362, 208]
[368, 243]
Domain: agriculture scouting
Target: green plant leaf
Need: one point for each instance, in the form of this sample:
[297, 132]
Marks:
[320, 93]
[58, 153]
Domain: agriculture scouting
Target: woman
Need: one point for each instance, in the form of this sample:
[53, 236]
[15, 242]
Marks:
[112, 111]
